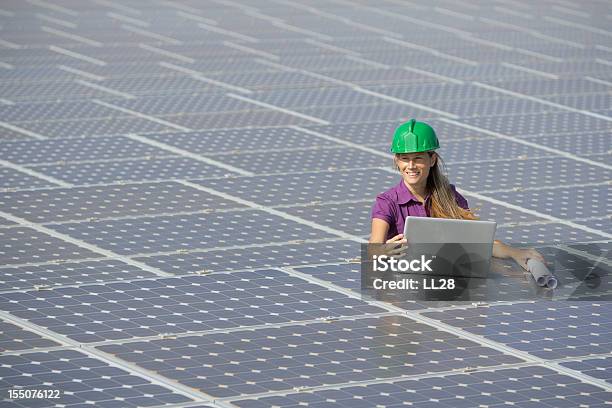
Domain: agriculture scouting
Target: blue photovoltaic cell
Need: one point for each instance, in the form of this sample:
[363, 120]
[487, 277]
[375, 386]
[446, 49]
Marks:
[140, 114]
[316, 354]
[292, 253]
[67, 273]
[23, 245]
[119, 200]
[78, 378]
[179, 305]
[189, 232]
[15, 338]
[545, 329]
[528, 387]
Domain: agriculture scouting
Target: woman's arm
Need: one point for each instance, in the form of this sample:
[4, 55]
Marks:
[501, 250]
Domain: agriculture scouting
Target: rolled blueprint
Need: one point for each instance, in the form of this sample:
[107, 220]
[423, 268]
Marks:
[541, 274]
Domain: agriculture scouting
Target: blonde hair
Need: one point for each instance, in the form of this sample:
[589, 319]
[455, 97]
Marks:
[442, 202]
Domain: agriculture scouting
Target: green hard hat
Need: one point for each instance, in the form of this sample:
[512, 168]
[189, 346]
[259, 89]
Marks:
[414, 137]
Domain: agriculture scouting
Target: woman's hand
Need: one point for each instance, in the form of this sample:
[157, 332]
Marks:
[521, 256]
[395, 246]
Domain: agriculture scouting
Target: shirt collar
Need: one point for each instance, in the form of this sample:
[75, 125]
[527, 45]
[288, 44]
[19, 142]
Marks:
[404, 195]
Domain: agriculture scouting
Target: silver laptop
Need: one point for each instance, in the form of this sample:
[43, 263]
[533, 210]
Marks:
[458, 247]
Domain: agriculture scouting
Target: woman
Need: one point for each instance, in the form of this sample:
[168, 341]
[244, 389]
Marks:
[424, 192]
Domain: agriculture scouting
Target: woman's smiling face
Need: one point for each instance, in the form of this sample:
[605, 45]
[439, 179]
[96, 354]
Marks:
[414, 167]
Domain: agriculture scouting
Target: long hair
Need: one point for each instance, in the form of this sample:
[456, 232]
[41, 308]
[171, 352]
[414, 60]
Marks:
[442, 202]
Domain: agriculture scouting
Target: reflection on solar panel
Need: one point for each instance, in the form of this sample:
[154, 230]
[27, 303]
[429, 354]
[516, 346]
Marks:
[184, 187]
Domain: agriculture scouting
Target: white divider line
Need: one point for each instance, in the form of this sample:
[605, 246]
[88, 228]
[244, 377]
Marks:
[341, 19]
[229, 33]
[198, 76]
[55, 20]
[6, 65]
[47, 263]
[453, 13]
[116, 6]
[603, 48]
[279, 109]
[530, 70]
[405, 16]
[310, 74]
[513, 12]
[188, 154]
[404, 102]
[364, 383]
[343, 142]
[539, 55]
[537, 214]
[598, 81]
[331, 47]
[542, 101]
[431, 51]
[571, 11]
[272, 211]
[578, 25]
[166, 53]
[461, 333]
[104, 89]
[85, 74]
[251, 50]
[190, 16]
[22, 131]
[77, 55]
[82, 244]
[289, 27]
[202, 333]
[239, 5]
[141, 115]
[10, 44]
[53, 7]
[532, 32]
[433, 75]
[71, 36]
[358, 88]
[540, 188]
[603, 62]
[373, 64]
[126, 19]
[530, 144]
[109, 359]
[150, 34]
[34, 173]
[110, 160]
[6, 101]
[257, 14]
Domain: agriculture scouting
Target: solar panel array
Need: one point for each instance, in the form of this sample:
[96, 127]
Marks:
[184, 187]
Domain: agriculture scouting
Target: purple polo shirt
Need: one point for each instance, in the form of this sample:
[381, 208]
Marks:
[397, 203]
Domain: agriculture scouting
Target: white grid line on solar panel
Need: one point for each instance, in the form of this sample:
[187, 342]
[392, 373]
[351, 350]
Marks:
[566, 223]
[531, 144]
[17, 339]
[95, 361]
[561, 330]
[361, 89]
[390, 345]
[21, 131]
[197, 232]
[33, 173]
[543, 101]
[595, 367]
[288, 254]
[147, 168]
[477, 338]
[521, 385]
[168, 307]
[89, 248]
[67, 273]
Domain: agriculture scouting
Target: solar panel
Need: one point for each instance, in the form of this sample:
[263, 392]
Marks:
[185, 187]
